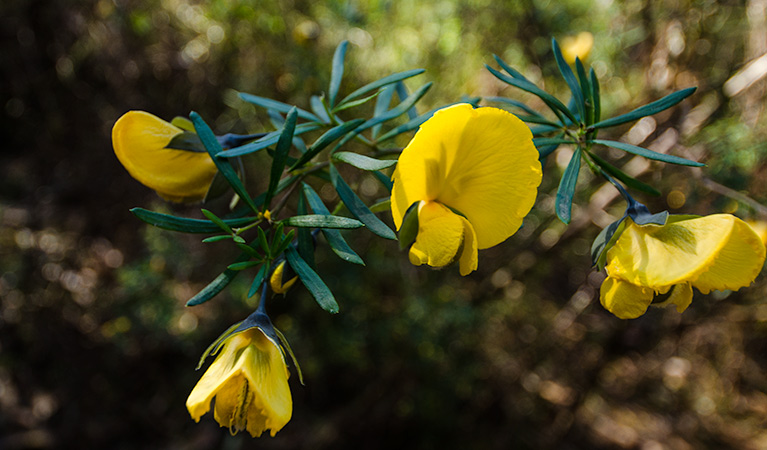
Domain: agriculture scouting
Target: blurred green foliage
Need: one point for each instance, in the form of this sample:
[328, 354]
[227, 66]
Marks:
[97, 349]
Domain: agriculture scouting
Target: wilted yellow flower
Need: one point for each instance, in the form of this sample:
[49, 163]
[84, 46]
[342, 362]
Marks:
[714, 252]
[276, 280]
[474, 174]
[249, 380]
[578, 46]
[140, 139]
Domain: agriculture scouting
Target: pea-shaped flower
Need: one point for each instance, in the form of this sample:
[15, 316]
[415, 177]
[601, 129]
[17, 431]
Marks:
[140, 142]
[249, 380]
[474, 175]
[714, 252]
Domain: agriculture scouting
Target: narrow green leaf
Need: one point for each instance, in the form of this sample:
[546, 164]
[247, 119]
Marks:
[648, 109]
[627, 179]
[516, 104]
[258, 280]
[312, 281]
[217, 285]
[335, 239]
[188, 141]
[546, 150]
[277, 236]
[354, 103]
[325, 140]
[604, 241]
[385, 180]
[277, 106]
[649, 154]
[249, 250]
[217, 238]
[305, 238]
[393, 78]
[214, 218]
[381, 206]
[358, 208]
[319, 109]
[536, 119]
[173, 223]
[569, 77]
[243, 265]
[588, 95]
[555, 105]
[266, 141]
[508, 68]
[286, 240]
[322, 221]
[281, 155]
[398, 110]
[214, 148]
[263, 242]
[382, 105]
[409, 228]
[363, 162]
[566, 189]
[402, 93]
[337, 72]
[538, 142]
[595, 93]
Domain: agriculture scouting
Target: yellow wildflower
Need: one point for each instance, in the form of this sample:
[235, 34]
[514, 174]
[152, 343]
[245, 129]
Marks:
[249, 380]
[474, 174]
[140, 139]
[714, 252]
[276, 280]
[578, 46]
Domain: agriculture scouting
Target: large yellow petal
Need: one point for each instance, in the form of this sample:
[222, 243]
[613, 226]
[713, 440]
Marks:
[481, 162]
[440, 235]
[139, 141]
[737, 263]
[625, 300]
[469, 257]
[681, 297]
[660, 256]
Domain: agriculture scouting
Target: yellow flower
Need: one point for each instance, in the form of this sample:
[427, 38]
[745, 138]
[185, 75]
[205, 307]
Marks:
[578, 46]
[474, 174]
[249, 380]
[276, 280]
[714, 252]
[140, 139]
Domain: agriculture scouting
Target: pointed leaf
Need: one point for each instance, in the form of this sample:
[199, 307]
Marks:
[588, 95]
[604, 241]
[358, 208]
[566, 189]
[649, 154]
[258, 280]
[354, 103]
[409, 229]
[337, 72]
[382, 105]
[393, 78]
[319, 109]
[627, 179]
[323, 221]
[312, 281]
[402, 93]
[217, 285]
[508, 68]
[173, 223]
[595, 93]
[569, 77]
[305, 236]
[335, 239]
[647, 110]
[277, 106]
[266, 141]
[281, 155]
[363, 162]
[325, 140]
[188, 141]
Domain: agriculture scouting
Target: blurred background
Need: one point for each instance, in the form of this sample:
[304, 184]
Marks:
[97, 349]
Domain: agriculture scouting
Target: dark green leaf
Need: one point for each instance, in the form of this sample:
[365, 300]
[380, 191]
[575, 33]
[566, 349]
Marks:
[277, 106]
[649, 154]
[398, 110]
[588, 95]
[188, 141]
[325, 140]
[647, 110]
[604, 241]
[217, 238]
[214, 148]
[384, 180]
[355, 103]
[358, 208]
[284, 242]
[173, 223]
[337, 72]
[243, 265]
[555, 105]
[393, 78]
[214, 218]
[277, 236]
[595, 93]
[217, 285]
[538, 142]
[266, 141]
[566, 189]
[263, 242]
[259, 279]
[624, 177]
[382, 105]
[516, 104]
[249, 250]
[322, 221]
[409, 228]
[319, 109]
[312, 281]
[363, 162]
[335, 239]
[402, 93]
[569, 77]
[508, 68]
[281, 155]
[305, 237]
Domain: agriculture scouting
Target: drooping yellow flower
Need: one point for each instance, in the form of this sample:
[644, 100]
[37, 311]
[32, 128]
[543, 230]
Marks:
[249, 380]
[577, 46]
[275, 281]
[474, 174]
[714, 252]
[139, 140]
